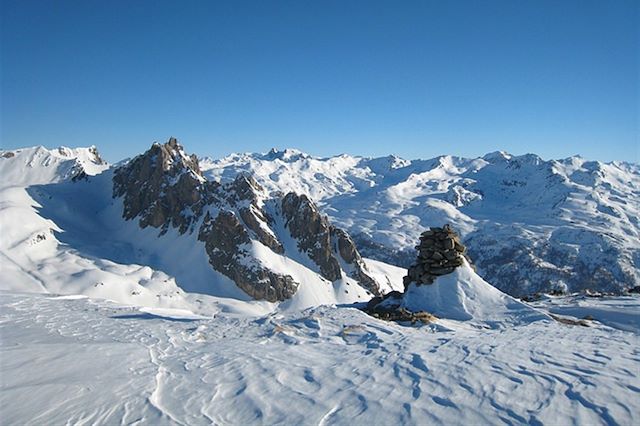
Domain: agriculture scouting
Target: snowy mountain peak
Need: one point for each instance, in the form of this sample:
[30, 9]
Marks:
[48, 165]
[248, 234]
[497, 156]
[385, 164]
[288, 155]
[163, 187]
[171, 156]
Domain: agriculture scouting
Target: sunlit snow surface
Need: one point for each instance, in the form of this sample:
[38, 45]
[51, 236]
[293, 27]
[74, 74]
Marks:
[77, 360]
[69, 356]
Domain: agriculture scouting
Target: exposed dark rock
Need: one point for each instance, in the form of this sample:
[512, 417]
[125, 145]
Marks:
[252, 217]
[164, 187]
[97, 159]
[311, 229]
[80, 175]
[244, 188]
[389, 308]
[224, 238]
[8, 154]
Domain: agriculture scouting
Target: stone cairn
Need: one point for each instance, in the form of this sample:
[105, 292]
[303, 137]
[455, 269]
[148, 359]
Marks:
[439, 253]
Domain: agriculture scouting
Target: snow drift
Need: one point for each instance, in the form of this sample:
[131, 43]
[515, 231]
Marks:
[463, 296]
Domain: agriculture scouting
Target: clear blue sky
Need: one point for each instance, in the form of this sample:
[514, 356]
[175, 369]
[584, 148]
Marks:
[417, 79]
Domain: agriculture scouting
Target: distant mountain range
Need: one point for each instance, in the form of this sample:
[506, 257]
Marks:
[530, 225]
[285, 226]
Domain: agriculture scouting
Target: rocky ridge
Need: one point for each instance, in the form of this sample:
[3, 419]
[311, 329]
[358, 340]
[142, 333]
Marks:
[164, 188]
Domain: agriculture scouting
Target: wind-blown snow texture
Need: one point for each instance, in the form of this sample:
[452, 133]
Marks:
[529, 225]
[81, 361]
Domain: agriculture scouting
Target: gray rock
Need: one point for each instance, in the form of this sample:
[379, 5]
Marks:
[311, 229]
[224, 238]
[252, 217]
[439, 253]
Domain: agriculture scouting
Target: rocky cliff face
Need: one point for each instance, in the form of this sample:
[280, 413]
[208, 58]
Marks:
[164, 188]
[226, 240]
[331, 248]
[312, 231]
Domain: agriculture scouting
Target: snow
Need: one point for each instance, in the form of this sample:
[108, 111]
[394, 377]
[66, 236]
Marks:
[38, 165]
[87, 361]
[102, 322]
[509, 210]
[67, 237]
[389, 276]
[621, 312]
[463, 295]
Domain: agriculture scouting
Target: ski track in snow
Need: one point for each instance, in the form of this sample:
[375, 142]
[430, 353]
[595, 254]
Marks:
[83, 361]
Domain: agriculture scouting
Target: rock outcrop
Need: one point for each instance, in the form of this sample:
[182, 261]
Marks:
[164, 188]
[226, 240]
[311, 229]
[331, 248]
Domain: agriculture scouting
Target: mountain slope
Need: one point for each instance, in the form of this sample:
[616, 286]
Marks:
[530, 225]
[228, 240]
[38, 165]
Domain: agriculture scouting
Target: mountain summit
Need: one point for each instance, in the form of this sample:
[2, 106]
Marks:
[245, 232]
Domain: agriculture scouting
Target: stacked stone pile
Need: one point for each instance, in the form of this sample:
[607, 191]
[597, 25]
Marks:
[439, 253]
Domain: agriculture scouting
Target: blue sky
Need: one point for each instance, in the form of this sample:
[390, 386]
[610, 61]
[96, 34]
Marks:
[417, 79]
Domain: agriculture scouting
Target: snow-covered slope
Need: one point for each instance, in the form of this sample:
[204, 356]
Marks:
[83, 361]
[38, 165]
[530, 225]
[464, 296]
[166, 231]
[39, 254]
[162, 352]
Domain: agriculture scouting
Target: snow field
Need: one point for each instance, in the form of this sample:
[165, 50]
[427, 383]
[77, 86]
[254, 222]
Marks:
[99, 362]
